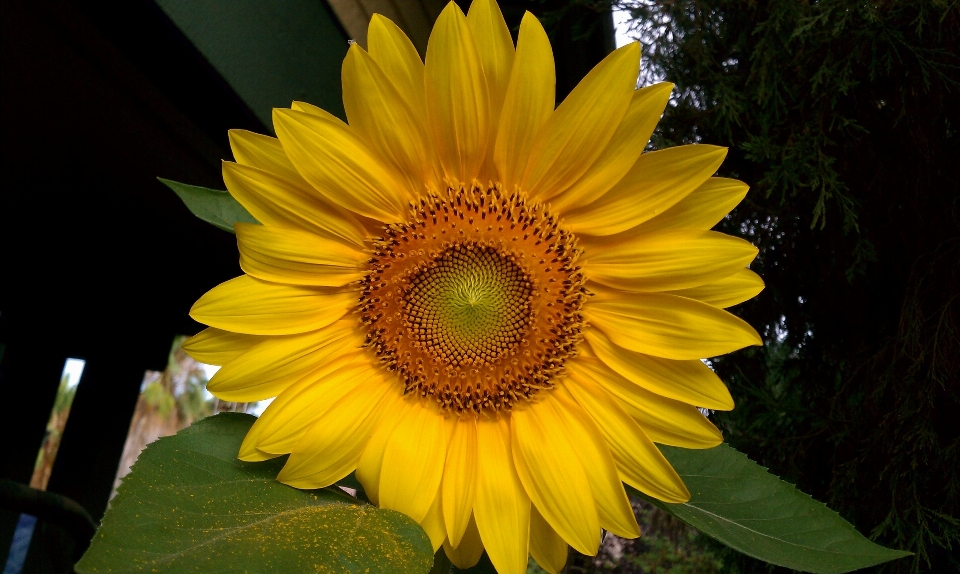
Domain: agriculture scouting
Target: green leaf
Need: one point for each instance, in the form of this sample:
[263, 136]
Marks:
[214, 206]
[736, 501]
[441, 564]
[188, 505]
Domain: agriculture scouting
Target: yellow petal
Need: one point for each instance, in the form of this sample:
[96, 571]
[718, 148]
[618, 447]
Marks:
[468, 552]
[546, 546]
[667, 260]
[335, 161]
[254, 455]
[495, 48]
[297, 257]
[663, 420]
[640, 463]
[217, 347]
[459, 478]
[726, 292]
[702, 209]
[395, 409]
[501, 507]
[621, 152]
[249, 451]
[268, 421]
[299, 406]
[307, 108]
[690, 382]
[613, 507]
[398, 58]
[668, 326]
[656, 182]
[456, 94]
[384, 119]
[528, 102]
[279, 202]
[432, 524]
[255, 307]
[413, 460]
[330, 449]
[264, 153]
[578, 131]
[552, 474]
[267, 369]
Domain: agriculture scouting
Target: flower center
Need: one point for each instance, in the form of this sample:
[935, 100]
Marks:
[475, 300]
[468, 306]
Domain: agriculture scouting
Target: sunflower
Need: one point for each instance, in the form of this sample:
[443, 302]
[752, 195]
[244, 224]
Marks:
[488, 308]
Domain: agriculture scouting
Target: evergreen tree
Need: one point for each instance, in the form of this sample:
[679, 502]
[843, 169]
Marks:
[843, 116]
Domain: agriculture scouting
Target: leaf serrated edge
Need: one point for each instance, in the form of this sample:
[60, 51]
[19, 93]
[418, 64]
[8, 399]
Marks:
[742, 461]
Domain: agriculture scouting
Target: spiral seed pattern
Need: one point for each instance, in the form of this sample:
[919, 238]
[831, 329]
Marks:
[476, 300]
[469, 306]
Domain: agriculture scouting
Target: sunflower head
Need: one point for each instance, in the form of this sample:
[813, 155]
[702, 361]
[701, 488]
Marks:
[487, 306]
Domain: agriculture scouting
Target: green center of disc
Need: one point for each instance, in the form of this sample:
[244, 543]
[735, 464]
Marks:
[470, 305]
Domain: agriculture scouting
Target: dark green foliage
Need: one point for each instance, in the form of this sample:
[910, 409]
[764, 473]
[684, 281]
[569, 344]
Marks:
[737, 502]
[668, 546]
[843, 116]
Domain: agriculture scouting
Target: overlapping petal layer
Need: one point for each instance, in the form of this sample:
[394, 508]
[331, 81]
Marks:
[575, 135]
[469, 142]
[254, 307]
[668, 261]
[458, 100]
[528, 101]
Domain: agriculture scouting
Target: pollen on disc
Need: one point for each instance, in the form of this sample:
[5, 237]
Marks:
[475, 300]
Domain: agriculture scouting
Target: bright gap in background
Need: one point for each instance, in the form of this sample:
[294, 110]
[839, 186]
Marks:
[621, 26]
[56, 424]
[171, 400]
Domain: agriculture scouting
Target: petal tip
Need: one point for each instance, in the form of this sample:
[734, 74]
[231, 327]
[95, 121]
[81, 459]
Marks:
[450, 10]
[250, 453]
[295, 477]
